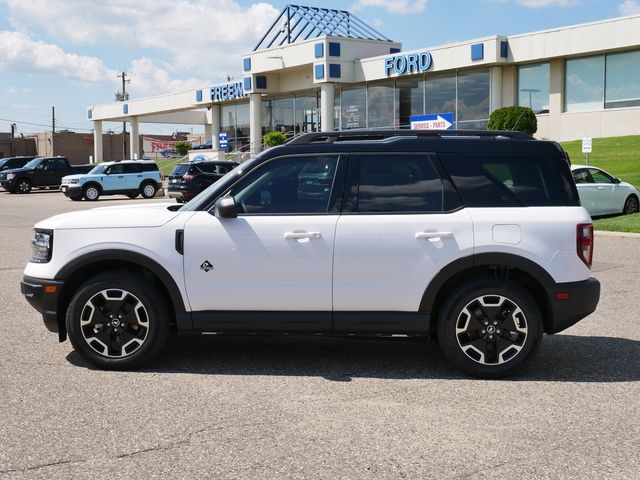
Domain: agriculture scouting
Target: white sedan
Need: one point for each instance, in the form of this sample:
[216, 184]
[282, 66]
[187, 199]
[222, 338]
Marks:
[602, 193]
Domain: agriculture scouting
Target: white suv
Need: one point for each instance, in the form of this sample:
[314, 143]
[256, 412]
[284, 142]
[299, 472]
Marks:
[478, 237]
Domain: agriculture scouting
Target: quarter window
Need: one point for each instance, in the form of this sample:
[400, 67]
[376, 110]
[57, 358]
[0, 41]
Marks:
[296, 185]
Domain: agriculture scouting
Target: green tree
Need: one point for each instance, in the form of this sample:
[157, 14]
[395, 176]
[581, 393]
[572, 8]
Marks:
[273, 139]
[521, 119]
[182, 148]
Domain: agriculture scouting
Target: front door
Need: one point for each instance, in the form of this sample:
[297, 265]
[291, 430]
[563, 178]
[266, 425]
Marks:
[272, 261]
[114, 178]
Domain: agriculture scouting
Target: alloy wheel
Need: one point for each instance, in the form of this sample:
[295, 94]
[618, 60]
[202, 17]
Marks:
[491, 329]
[631, 205]
[149, 191]
[114, 323]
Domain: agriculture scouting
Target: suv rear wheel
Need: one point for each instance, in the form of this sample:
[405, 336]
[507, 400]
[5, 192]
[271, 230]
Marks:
[148, 190]
[117, 321]
[490, 328]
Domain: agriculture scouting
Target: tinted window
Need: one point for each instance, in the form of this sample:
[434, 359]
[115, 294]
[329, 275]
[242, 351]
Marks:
[131, 168]
[224, 169]
[396, 183]
[599, 176]
[180, 169]
[582, 176]
[116, 169]
[61, 163]
[149, 167]
[504, 182]
[282, 186]
[206, 167]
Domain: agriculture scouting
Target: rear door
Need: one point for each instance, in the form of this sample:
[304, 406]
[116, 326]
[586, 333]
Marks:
[132, 175]
[394, 235]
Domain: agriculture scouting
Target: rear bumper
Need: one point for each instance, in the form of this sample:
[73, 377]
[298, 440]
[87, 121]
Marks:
[571, 302]
[185, 195]
[44, 300]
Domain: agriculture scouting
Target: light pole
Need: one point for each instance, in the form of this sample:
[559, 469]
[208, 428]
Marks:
[530, 90]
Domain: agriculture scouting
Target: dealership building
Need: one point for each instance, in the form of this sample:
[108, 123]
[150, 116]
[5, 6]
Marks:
[319, 69]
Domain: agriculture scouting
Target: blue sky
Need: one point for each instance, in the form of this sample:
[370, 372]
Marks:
[68, 53]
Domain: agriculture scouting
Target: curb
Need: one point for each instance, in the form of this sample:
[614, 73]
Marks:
[604, 233]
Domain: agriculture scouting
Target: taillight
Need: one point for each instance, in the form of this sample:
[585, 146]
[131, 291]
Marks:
[584, 243]
[189, 177]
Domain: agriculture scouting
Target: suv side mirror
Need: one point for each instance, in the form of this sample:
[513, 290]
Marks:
[226, 207]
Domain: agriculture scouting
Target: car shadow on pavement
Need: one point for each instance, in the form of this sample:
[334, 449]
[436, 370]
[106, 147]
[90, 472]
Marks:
[565, 358]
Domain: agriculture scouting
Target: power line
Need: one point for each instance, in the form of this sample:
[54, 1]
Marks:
[48, 125]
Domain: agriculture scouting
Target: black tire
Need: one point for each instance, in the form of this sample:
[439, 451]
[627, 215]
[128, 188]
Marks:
[24, 185]
[131, 341]
[91, 193]
[631, 205]
[133, 195]
[475, 339]
[148, 190]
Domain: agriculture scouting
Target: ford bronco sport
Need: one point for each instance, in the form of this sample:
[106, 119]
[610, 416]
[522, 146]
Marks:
[476, 237]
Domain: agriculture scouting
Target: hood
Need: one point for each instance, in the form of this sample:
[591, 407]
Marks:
[76, 175]
[127, 216]
[17, 170]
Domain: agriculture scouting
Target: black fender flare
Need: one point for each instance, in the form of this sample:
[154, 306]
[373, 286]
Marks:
[504, 260]
[127, 256]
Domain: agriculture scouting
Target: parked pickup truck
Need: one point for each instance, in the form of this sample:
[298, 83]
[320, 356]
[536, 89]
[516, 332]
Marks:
[39, 172]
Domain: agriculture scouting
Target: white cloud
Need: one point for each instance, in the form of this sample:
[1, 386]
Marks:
[401, 7]
[19, 52]
[148, 79]
[629, 7]
[544, 3]
[205, 36]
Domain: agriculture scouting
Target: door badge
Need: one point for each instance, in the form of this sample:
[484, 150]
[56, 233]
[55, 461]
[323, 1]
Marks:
[206, 266]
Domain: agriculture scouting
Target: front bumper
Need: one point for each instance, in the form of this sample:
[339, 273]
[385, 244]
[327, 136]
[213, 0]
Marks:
[7, 184]
[43, 295]
[71, 189]
[571, 302]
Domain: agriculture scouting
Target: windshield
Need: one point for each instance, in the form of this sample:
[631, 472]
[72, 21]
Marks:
[180, 170]
[218, 187]
[33, 163]
[98, 169]
[3, 161]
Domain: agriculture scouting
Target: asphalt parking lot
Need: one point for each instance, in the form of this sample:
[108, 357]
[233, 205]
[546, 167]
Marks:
[316, 408]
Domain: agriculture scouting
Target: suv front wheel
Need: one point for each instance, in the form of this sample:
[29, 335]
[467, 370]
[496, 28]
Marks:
[117, 321]
[490, 328]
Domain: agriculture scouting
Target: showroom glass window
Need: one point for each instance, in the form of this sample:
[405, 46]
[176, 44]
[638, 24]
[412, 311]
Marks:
[533, 87]
[584, 84]
[473, 100]
[354, 107]
[410, 99]
[295, 185]
[228, 124]
[283, 115]
[242, 126]
[622, 80]
[381, 105]
[267, 116]
[440, 94]
[306, 114]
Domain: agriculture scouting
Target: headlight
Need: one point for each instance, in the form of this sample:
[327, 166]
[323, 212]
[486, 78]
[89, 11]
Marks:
[10, 176]
[41, 246]
[74, 180]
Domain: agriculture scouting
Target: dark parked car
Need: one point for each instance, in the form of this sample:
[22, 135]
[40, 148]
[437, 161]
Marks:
[189, 179]
[39, 172]
[9, 163]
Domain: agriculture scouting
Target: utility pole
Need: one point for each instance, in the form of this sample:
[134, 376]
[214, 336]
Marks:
[13, 135]
[53, 127]
[123, 97]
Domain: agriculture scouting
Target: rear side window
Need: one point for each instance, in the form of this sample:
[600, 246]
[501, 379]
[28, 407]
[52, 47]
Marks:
[511, 182]
[180, 169]
[394, 183]
[206, 167]
[148, 166]
[131, 168]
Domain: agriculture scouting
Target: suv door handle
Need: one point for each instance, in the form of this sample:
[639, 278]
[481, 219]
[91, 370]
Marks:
[301, 236]
[600, 188]
[433, 235]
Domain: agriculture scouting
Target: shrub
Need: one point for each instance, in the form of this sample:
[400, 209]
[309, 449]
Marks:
[521, 119]
[182, 148]
[273, 139]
